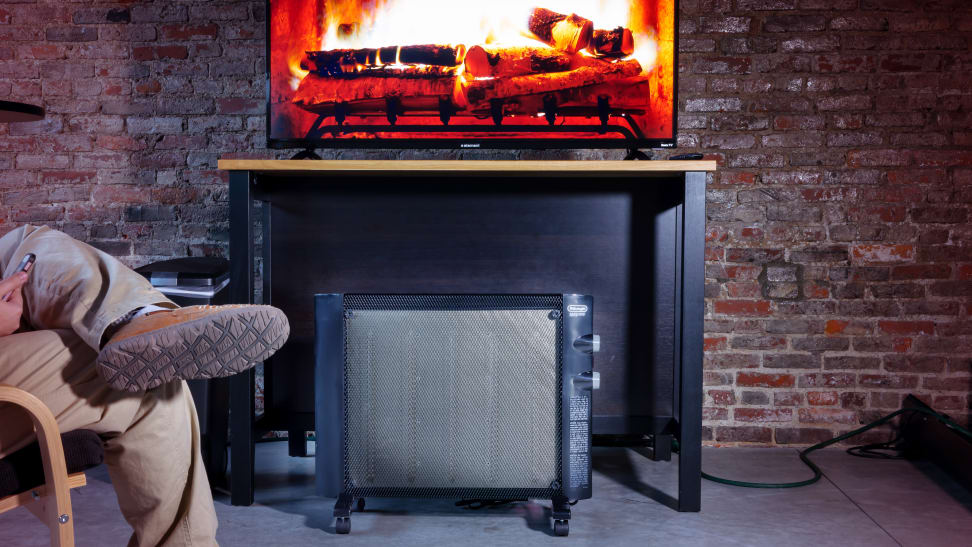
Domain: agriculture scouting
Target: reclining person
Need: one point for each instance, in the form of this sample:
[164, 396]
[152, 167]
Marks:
[107, 352]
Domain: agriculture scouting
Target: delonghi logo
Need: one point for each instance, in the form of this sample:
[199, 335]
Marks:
[576, 309]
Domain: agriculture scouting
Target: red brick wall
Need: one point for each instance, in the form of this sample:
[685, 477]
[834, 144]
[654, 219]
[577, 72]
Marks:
[840, 253]
[839, 273]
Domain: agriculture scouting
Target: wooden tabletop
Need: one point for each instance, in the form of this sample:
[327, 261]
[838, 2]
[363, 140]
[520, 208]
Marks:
[477, 166]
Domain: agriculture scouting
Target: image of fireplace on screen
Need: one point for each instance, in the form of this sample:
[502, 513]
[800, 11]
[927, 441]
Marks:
[430, 63]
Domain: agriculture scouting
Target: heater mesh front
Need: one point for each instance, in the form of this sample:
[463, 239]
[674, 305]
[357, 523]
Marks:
[452, 396]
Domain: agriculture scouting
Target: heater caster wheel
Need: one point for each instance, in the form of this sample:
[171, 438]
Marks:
[360, 506]
[343, 525]
[561, 527]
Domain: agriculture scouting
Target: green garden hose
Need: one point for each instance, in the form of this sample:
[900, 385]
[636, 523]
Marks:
[817, 473]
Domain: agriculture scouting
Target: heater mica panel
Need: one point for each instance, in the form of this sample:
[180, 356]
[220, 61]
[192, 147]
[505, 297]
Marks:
[462, 396]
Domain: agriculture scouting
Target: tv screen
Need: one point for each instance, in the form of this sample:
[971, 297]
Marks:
[491, 74]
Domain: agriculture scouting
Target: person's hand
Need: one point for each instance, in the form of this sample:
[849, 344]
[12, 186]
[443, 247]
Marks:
[11, 303]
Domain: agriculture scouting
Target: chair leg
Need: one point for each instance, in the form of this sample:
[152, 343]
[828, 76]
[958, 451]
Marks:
[60, 525]
[53, 508]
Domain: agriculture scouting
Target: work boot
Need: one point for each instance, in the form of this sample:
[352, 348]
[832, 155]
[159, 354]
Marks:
[190, 343]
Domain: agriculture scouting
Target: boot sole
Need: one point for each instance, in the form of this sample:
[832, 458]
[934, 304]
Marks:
[222, 344]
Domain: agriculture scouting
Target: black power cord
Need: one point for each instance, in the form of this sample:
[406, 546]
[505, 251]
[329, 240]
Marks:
[817, 473]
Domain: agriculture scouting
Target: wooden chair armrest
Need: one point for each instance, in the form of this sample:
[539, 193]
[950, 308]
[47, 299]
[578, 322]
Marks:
[57, 507]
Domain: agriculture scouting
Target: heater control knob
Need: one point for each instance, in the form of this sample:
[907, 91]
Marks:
[589, 343]
[588, 380]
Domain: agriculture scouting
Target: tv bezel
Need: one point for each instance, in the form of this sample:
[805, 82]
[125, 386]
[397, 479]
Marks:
[445, 143]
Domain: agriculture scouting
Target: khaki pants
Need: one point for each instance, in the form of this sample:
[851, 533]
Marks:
[152, 438]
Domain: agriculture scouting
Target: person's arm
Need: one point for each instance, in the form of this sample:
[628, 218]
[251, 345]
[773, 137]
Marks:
[11, 303]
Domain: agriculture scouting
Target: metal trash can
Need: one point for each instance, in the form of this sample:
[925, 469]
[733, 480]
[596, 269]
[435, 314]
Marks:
[191, 282]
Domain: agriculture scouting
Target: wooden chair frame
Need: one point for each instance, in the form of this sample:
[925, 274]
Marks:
[51, 501]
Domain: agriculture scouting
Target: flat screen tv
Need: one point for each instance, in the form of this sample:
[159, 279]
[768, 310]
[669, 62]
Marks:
[489, 74]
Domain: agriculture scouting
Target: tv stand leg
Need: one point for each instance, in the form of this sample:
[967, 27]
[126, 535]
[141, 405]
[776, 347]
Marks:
[661, 447]
[296, 444]
[635, 154]
[307, 154]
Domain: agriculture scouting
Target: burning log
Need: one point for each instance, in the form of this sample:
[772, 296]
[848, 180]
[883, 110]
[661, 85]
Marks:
[337, 61]
[482, 61]
[430, 54]
[577, 101]
[570, 33]
[320, 92]
[479, 91]
[399, 71]
[612, 43]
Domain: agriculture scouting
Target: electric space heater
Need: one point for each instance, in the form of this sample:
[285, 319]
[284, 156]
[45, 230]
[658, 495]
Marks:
[479, 397]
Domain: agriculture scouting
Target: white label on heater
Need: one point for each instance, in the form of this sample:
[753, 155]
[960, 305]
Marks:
[576, 310]
[579, 465]
[578, 436]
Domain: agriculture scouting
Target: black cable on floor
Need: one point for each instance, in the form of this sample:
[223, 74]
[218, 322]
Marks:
[817, 473]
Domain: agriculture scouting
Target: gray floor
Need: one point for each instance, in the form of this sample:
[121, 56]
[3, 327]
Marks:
[861, 502]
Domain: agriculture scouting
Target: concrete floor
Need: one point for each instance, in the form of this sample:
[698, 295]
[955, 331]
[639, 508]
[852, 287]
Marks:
[860, 502]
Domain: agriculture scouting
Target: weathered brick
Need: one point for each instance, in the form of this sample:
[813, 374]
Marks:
[822, 398]
[961, 288]
[881, 399]
[731, 104]
[114, 248]
[714, 413]
[72, 34]
[731, 360]
[914, 363]
[760, 379]
[792, 326]
[891, 382]
[102, 15]
[743, 307]
[762, 415]
[827, 415]
[737, 25]
[853, 400]
[828, 379]
[907, 327]
[820, 343]
[743, 434]
[758, 342]
[921, 271]
[754, 398]
[710, 378]
[787, 398]
[722, 397]
[851, 362]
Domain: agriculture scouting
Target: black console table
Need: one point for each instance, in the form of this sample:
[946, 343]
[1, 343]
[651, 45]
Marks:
[631, 233]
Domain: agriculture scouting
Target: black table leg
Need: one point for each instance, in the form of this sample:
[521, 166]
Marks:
[661, 447]
[218, 430]
[690, 377]
[241, 434]
[296, 443]
[241, 385]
